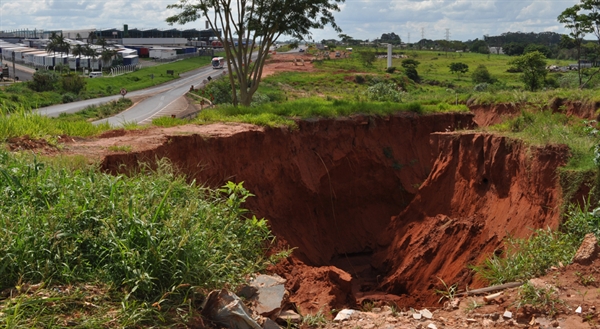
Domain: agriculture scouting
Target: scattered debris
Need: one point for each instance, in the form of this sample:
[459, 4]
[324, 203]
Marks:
[578, 310]
[588, 251]
[270, 294]
[226, 309]
[426, 313]
[491, 297]
[344, 315]
[507, 315]
[491, 288]
[289, 316]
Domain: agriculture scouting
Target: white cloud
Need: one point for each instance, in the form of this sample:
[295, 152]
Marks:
[362, 19]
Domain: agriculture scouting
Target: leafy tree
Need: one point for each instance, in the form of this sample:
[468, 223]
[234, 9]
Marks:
[535, 47]
[579, 25]
[392, 38]
[251, 21]
[58, 43]
[410, 63]
[592, 52]
[482, 75]
[78, 50]
[479, 46]
[367, 57]
[91, 53]
[348, 39]
[458, 68]
[410, 69]
[106, 56]
[294, 44]
[102, 43]
[514, 49]
[533, 68]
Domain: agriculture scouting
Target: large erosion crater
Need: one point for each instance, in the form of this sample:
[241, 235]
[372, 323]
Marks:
[377, 208]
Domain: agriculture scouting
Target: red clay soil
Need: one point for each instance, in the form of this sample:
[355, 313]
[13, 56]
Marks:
[487, 115]
[481, 189]
[328, 188]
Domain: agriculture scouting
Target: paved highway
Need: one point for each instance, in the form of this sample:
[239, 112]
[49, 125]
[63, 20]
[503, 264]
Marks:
[161, 100]
[164, 93]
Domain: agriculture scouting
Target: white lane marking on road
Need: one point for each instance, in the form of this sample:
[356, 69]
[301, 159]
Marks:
[148, 120]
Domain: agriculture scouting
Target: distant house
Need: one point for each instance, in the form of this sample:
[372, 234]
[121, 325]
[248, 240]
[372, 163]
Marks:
[496, 50]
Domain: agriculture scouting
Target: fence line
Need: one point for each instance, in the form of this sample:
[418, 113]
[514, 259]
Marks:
[120, 70]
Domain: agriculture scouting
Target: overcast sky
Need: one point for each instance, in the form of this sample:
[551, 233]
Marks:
[361, 19]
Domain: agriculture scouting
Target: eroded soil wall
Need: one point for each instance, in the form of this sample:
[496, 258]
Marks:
[328, 188]
[481, 189]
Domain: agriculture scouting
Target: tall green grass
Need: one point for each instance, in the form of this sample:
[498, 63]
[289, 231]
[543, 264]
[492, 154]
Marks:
[276, 114]
[524, 259]
[143, 239]
[23, 122]
[544, 127]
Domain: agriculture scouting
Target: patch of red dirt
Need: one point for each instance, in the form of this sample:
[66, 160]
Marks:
[285, 63]
[488, 115]
[27, 143]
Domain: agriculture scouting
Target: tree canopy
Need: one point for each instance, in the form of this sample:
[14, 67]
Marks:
[391, 37]
[458, 68]
[250, 26]
[533, 68]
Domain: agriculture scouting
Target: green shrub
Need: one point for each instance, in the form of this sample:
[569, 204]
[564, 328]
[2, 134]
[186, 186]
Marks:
[481, 87]
[523, 259]
[359, 79]
[218, 91]
[72, 83]
[44, 81]
[367, 58]
[69, 97]
[384, 92]
[412, 74]
[390, 69]
[482, 75]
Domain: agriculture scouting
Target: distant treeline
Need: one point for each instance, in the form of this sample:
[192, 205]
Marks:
[551, 44]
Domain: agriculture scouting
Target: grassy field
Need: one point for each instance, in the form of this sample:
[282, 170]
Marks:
[143, 78]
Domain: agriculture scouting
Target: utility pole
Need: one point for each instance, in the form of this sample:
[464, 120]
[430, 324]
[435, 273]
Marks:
[408, 38]
[14, 71]
[447, 41]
